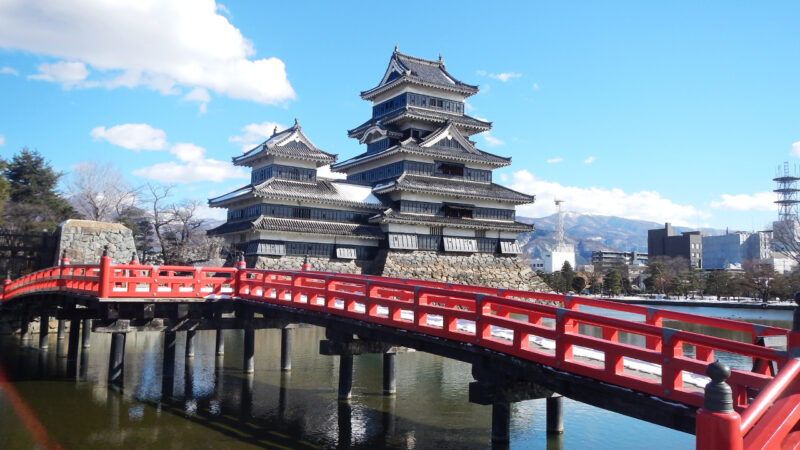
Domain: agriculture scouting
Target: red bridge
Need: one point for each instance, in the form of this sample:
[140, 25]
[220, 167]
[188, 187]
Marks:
[521, 344]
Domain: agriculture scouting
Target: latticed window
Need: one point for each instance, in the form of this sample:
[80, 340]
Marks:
[436, 231]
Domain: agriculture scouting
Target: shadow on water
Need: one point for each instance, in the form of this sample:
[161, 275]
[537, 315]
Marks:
[209, 403]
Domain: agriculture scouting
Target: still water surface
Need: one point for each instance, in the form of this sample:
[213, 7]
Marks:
[45, 402]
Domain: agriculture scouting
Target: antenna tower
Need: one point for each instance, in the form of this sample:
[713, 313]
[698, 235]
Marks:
[787, 192]
[560, 225]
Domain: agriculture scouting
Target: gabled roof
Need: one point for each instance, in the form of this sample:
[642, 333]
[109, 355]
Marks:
[468, 124]
[289, 143]
[425, 72]
[457, 188]
[265, 223]
[428, 148]
[392, 216]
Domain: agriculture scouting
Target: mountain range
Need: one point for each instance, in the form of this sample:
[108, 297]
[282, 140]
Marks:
[591, 232]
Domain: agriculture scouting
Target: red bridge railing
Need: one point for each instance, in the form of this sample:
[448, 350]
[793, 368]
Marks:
[546, 328]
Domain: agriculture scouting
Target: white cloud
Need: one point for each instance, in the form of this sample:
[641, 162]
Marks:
[589, 160]
[68, 74]
[192, 166]
[491, 141]
[796, 149]
[760, 201]
[555, 160]
[133, 136]
[199, 95]
[535, 86]
[642, 205]
[505, 76]
[2, 140]
[165, 45]
[256, 133]
[8, 71]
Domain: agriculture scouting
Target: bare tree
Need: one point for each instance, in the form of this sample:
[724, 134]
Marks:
[161, 215]
[786, 239]
[98, 191]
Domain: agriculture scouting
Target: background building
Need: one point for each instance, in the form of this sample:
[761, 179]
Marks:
[665, 242]
[729, 250]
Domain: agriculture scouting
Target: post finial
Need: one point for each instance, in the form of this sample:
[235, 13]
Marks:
[134, 257]
[105, 250]
[718, 396]
[796, 317]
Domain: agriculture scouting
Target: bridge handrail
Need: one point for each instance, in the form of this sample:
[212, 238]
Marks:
[770, 431]
[482, 307]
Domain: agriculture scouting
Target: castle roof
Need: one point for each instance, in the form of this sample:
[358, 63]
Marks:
[466, 153]
[289, 143]
[407, 69]
[392, 216]
[265, 223]
[337, 192]
[467, 124]
[458, 188]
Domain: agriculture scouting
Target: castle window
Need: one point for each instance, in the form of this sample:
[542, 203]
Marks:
[449, 169]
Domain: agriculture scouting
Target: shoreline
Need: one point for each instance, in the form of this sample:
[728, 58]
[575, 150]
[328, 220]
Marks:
[706, 303]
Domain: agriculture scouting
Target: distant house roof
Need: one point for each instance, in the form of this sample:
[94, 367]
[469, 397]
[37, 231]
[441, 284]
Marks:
[457, 188]
[289, 143]
[413, 70]
[265, 223]
[392, 216]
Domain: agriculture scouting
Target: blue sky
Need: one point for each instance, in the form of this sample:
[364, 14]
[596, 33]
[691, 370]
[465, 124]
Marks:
[674, 111]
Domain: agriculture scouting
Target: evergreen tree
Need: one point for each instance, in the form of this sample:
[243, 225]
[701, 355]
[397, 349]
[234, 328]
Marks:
[612, 282]
[719, 283]
[35, 203]
[578, 284]
[567, 275]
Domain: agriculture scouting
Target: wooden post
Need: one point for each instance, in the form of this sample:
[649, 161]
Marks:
[190, 343]
[86, 333]
[248, 365]
[286, 349]
[718, 425]
[116, 360]
[168, 365]
[389, 378]
[555, 415]
[220, 342]
[501, 422]
[345, 376]
[44, 329]
[106, 275]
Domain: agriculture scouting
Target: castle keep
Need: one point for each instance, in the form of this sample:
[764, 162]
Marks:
[418, 202]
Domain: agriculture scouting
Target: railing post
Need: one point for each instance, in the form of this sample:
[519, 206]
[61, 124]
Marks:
[105, 275]
[793, 340]
[718, 425]
[239, 266]
[306, 265]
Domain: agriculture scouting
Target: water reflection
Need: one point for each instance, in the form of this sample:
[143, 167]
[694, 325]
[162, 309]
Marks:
[206, 401]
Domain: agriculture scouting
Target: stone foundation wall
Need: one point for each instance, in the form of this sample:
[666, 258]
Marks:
[483, 269]
[84, 241]
[317, 264]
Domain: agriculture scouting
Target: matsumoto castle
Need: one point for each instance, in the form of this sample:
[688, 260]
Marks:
[418, 202]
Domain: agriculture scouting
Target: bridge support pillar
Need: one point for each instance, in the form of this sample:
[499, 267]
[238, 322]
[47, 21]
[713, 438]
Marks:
[286, 349]
[248, 365]
[72, 345]
[87, 332]
[168, 365]
[501, 422]
[555, 415]
[389, 379]
[24, 327]
[60, 332]
[345, 376]
[220, 342]
[116, 360]
[190, 334]
[44, 329]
